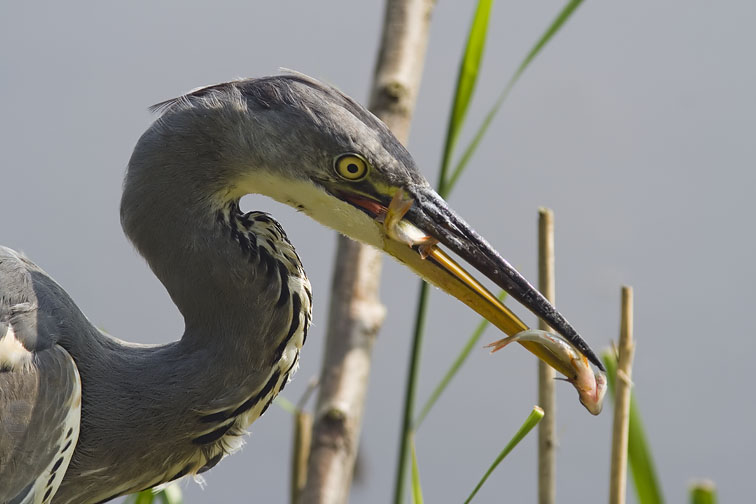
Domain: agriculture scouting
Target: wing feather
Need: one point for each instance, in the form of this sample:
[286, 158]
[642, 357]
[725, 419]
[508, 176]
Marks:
[40, 392]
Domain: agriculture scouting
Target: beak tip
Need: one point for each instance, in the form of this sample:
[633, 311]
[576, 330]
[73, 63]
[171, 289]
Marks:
[595, 360]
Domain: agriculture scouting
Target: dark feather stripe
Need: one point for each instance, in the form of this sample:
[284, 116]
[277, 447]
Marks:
[296, 303]
[295, 311]
[268, 260]
[183, 472]
[283, 274]
[212, 462]
[216, 417]
[224, 415]
[267, 405]
[103, 501]
[252, 245]
[284, 382]
[308, 292]
[286, 373]
[237, 225]
[244, 242]
[57, 464]
[250, 403]
[213, 435]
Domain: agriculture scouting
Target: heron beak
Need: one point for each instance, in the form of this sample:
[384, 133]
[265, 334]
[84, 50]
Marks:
[417, 221]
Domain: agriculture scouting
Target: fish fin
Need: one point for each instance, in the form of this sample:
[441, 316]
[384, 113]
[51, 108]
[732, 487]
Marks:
[499, 344]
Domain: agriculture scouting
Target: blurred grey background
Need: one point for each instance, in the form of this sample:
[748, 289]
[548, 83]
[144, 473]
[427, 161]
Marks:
[636, 125]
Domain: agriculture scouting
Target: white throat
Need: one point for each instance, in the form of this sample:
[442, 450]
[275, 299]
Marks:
[314, 202]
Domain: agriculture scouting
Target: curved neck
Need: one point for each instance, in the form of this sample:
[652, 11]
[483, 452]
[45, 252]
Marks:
[175, 214]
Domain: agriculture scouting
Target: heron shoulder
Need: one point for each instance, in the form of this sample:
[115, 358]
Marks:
[39, 310]
[19, 335]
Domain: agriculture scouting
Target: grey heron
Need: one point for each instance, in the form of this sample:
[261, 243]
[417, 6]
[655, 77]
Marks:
[86, 417]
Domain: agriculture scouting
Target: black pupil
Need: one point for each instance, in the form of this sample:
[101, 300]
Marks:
[353, 168]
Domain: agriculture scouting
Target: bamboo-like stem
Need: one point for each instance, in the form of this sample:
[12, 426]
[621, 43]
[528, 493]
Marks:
[356, 313]
[300, 452]
[618, 472]
[546, 374]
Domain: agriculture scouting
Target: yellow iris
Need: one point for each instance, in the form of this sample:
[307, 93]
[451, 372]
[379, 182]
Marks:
[351, 167]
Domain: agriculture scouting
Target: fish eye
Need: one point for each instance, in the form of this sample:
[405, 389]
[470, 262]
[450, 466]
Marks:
[351, 166]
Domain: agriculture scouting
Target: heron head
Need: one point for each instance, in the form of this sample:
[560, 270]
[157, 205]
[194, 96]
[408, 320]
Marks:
[310, 146]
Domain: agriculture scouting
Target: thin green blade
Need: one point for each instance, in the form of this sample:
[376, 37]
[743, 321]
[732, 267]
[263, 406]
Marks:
[638, 452]
[472, 341]
[409, 392]
[168, 495]
[535, 416]
[285, 404]
[417, 491]
[467, 77]
[553, 28]
[143, 497]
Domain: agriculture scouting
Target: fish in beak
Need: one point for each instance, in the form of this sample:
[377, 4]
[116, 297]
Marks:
[415, 223]
[590, 385]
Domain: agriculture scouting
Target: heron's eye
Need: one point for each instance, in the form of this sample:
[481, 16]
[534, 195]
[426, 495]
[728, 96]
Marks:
[351, 167]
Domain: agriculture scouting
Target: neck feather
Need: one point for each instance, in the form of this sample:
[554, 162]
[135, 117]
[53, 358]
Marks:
[232, 276]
